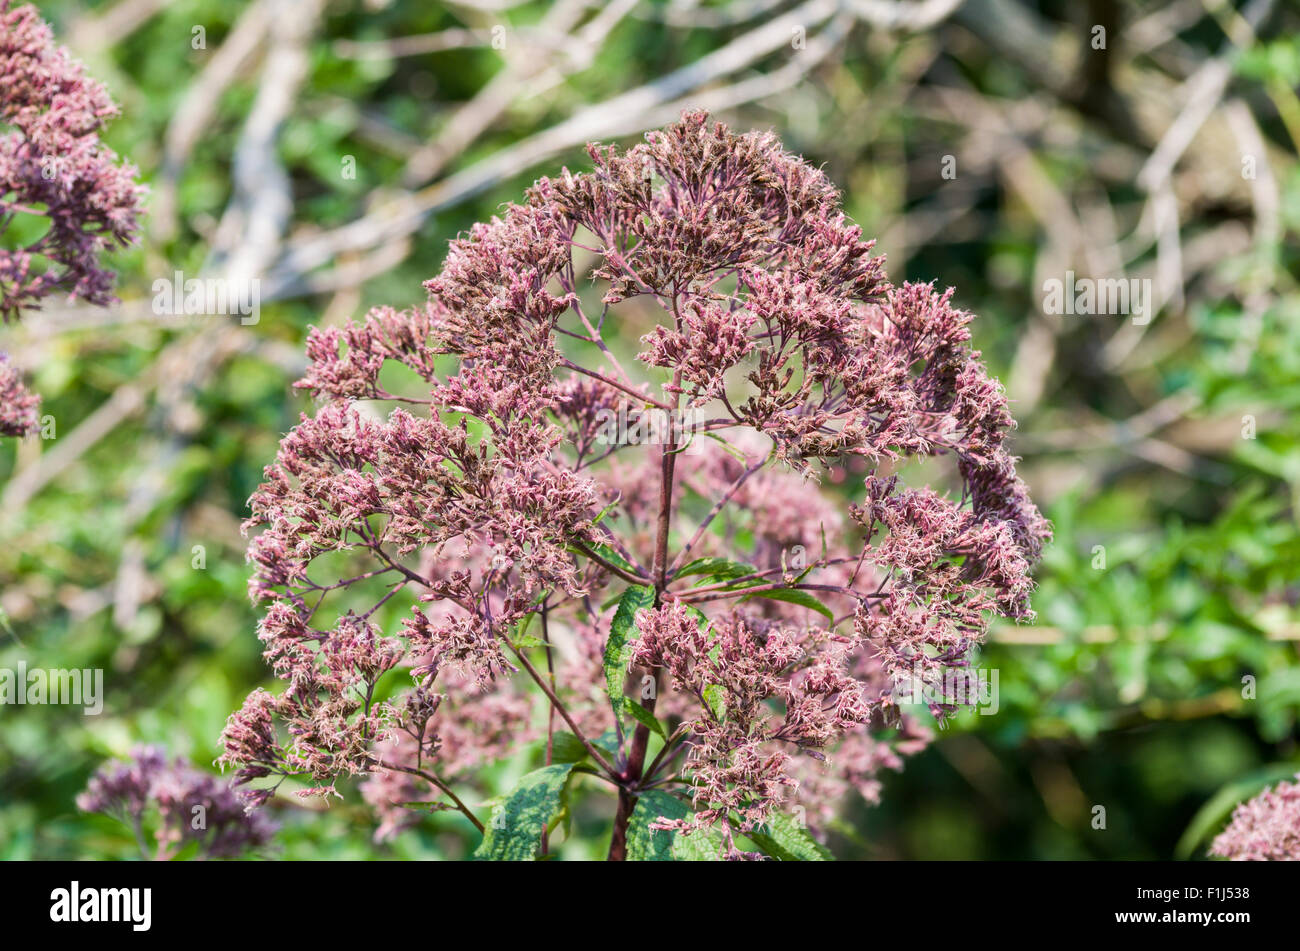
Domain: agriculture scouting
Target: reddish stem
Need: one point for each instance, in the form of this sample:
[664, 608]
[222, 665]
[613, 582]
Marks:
[659, 571]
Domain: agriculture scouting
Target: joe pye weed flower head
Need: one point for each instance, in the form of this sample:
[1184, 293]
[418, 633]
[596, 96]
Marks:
[186, 808]
[1264, 829]
[65, 200]
[715, 634]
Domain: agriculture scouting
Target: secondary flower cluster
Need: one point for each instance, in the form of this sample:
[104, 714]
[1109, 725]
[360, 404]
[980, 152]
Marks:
[1264, 829]
[191, 806]
[17, 404]
[490, 505]
[735, 667]
[64, 198]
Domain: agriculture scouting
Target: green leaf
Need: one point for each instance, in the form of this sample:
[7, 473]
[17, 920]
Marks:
[783, 838]
[618, 649]
[613, 557]
[644, 716]
[646, 845]
[728, 448]
[566, 748]
[700, 617]
[653, 845]
[716, 569]
[609, 741]
[794, 596]
[609, 554]
[702, 845]
[715, 696]
[600, 516]
[515, 829]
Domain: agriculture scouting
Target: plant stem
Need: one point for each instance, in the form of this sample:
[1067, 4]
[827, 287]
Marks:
[609, 565]
[610, 381]
[659, 571]
[555, 701]
[550, 710]
[435, 781]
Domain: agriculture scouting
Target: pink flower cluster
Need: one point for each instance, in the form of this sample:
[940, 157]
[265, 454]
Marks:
[1264, 829]
[17, 404]
[191, 806]
[490, 503]
[53, 164]
[54, 167]
[742, 671]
